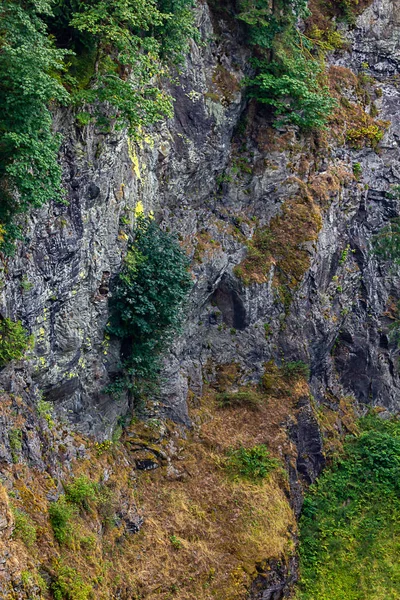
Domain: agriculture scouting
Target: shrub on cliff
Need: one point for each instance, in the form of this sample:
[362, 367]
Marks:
[288, 77]
[146, 309]
[254, 464]
[14, 341]
[29, 66]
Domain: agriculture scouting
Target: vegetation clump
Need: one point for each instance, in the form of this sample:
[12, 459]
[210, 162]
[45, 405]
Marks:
[24, 528]
[81, 491]
[61, 514]
[14, 341]
[350, 522]
[247, 396]
[15, 439]
[282, 245]
[254, 463]
[289, 77]
[146, 309]
[387, 242]
[104, 58]
[294, 370]
[68, 584]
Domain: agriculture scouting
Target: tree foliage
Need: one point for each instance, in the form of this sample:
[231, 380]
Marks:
[387, 242]
[288, 77]
[29, 84]
[146, 309]
[104, 57]
[350, 522]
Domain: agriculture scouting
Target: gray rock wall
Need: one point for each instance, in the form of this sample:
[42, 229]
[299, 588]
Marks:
[207, 176]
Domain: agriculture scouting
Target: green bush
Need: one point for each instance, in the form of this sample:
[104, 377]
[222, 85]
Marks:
[289, 78]
[61, 514]
[254, 463]
[350, 526]
[294, 85]
[295, 370]
[45, 411]
[81, 491]
[14, 341]
[386, 243]
[15, 439]
[24, 528]
[68, 584]
[146, 308]
[29, 66]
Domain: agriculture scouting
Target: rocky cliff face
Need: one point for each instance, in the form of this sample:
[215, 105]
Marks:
[218, 174]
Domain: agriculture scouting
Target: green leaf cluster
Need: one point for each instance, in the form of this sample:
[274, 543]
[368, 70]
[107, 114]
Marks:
[147, 303]
[14, 341]
[29, 84]
[254, 464]
[350, 525]
[289, 77]
[105, 58]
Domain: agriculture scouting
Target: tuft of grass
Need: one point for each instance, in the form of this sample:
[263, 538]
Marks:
[24, 528]
[254, 464]
[282, 245]
[61, 514]
[295, 370]
[81, 491]
[247, 397]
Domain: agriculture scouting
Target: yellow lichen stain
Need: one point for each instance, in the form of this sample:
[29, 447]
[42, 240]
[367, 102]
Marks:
[134, 158]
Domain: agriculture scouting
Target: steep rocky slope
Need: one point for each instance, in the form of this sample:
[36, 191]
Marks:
[279, 227]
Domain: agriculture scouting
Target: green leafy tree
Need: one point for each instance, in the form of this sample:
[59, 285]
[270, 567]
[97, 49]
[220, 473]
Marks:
[127, 44]
[288, 77]
[177, 29]
[267, 19]
[29, 65]
[146, 309]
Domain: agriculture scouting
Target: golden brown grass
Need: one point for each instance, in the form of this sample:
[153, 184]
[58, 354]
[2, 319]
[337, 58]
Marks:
[204, 533]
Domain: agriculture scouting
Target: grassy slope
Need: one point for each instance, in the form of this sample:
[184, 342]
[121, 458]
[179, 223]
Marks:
[350, 529]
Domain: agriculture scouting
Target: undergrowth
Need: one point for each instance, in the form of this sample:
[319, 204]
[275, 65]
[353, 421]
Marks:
[146, 308]
[14, 341]
[351, 520]
[254, 464]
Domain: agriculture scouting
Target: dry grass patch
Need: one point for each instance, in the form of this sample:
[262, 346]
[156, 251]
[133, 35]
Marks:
[283, 243]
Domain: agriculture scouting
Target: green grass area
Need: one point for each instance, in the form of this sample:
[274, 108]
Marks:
[350, 527]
